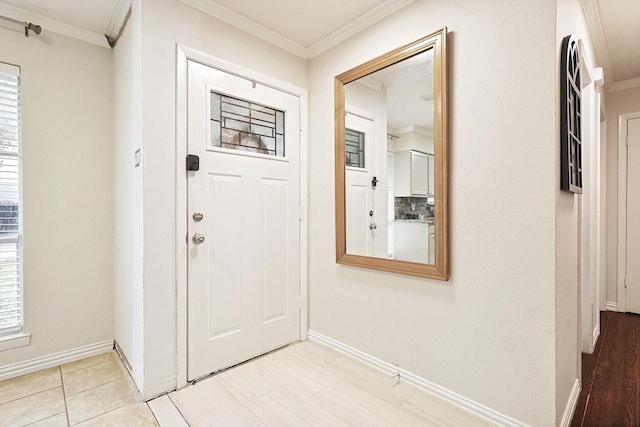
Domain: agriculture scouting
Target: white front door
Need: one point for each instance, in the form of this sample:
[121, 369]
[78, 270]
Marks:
[359, 193]
[633, 216]
[243, 220]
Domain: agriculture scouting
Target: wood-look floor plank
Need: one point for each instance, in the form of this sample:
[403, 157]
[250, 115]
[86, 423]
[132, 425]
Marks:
[374, 382]
[271, 413]
[248, 381]
[436, 413]
[589, 363]
[166, 413]
[305, 408]
[347, 409]
[210, 404]
[614, 397]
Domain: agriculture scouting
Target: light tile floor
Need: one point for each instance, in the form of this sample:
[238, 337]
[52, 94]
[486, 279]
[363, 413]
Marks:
[96, 391]
[303, 384]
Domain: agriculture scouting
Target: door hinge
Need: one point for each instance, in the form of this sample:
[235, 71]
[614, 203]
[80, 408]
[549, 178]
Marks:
[625, 283]
[626, 140]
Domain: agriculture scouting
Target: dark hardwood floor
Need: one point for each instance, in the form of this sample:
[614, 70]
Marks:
[610, 393]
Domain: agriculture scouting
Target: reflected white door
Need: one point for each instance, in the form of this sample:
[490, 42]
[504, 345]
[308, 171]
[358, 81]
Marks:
[633, 217]
[360, 170]
[243, 273]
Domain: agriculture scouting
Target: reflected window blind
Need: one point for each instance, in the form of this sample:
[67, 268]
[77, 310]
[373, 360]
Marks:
[10, 201]
[390, 204]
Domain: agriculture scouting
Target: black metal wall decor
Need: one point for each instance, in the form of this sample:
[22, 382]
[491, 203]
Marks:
[571, 118]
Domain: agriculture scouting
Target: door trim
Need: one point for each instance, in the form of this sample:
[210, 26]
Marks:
[622, 207]
[183, 55]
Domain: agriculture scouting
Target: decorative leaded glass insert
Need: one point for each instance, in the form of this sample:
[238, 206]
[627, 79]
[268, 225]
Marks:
[354, 148]
[244, 125]
[570, 117]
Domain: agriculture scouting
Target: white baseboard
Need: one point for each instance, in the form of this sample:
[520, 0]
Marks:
[56, 359]
[571, 405]
[612, 306]
[596, 334]
[465, 404]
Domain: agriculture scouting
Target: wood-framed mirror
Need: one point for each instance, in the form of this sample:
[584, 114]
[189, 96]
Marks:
[391, 161]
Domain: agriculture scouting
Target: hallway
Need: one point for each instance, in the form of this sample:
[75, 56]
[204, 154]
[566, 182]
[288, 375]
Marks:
[610, 391]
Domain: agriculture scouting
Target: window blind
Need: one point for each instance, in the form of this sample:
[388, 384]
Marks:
[10, 201]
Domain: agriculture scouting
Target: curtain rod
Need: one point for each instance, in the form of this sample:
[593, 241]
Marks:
[27, 25]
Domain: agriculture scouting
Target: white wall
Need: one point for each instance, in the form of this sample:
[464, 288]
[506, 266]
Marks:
[163, 25]
[66, 104]
[489, 333]
[618, 102]
[128, 236]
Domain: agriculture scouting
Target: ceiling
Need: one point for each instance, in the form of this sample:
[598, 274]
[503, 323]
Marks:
[308, 27]
[304, 21]
[89, 15]
[614, 27]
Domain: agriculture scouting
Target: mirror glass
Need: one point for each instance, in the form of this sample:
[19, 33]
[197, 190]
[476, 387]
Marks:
[390, 148]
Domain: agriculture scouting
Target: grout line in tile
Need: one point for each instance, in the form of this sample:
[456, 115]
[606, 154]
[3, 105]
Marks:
[177, 409]
[43, 419]
[93, 388]
[152, 413]
[64, 396]
[29, 395]
[103, 413]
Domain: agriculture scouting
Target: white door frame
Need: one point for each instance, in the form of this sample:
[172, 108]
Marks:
[184, 54]
[602, 201]
[589, 310]
[622, 206]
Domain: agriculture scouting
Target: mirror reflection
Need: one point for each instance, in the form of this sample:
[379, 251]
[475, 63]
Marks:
[389, 162]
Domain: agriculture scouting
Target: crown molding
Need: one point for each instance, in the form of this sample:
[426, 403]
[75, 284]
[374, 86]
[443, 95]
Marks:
[369, 83]
[413, 128]
[53, 25]
[216, 10]
[369, 18]
[220, 12]
[118, 21]
[594, 25]
[624, 84]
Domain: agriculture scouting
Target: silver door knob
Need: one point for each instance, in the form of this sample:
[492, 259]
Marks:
[197, 216]
[198, 238]
[373, 226]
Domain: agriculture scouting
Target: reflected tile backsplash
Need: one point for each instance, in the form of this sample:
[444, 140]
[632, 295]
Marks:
[412, 208]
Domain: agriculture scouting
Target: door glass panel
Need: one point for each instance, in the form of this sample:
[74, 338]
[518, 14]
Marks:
[354, 148]
[239, 124]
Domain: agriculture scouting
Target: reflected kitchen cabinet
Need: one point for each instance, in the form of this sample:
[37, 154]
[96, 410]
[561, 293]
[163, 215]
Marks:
[413, 174]
[411, 241]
